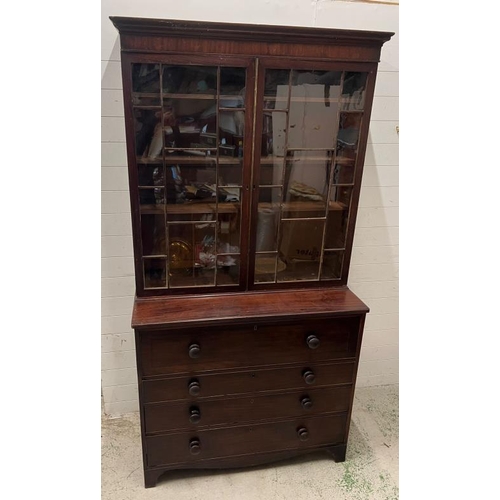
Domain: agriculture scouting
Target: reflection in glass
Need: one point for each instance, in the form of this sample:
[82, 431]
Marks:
[191, 254]
[190, 123]
[267, 225]
[311, 124]
[155, 274]
[232, 83]
[276, 88]
[343, 172]
[228, 229]
[151, 200]
[265, 267]
[150, 175]
[338, 215]
[146, 78]
[189, 140]
[153, 234]
[353, 91]
[200, 80]
[348, 134]
[190, 179]
[228, 270]
[230, 171]
[313, 109]
[306, 183]
[231, 131]
[332, 265]
[300, 249]
[148, 133]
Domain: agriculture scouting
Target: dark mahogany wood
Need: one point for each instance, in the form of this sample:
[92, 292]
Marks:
[245, 439]
[224, 383]
[163, 417]
[246, 32]
[243, 307]
[338, 452]
[152, 475]
[252, 373]
[169, 351]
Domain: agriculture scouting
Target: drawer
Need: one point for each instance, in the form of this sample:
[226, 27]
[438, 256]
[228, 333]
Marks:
[194, 350]
[161, 417]
[244, 382]
[257, 438]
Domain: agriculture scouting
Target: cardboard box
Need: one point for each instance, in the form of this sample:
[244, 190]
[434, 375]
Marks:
[301, 241]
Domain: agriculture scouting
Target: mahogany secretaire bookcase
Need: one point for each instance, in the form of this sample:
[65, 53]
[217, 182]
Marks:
[245, 148]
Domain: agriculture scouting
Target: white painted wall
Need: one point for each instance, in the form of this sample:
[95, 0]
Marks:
[374, 266]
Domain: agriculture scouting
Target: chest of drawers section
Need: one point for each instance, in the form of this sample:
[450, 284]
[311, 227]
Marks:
[243, 394]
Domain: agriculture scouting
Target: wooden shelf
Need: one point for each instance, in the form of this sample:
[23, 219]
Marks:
[190, 160]
[170, 95]
[191, 208]
[305, 206]
[278, 160]
[234, 208]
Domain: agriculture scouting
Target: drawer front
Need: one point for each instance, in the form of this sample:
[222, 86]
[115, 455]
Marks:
[258, 438]
[214, 348]
[244, 382]
[161, 417]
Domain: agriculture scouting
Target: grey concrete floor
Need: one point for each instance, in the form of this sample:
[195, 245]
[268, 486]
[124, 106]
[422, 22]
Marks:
[370, 471]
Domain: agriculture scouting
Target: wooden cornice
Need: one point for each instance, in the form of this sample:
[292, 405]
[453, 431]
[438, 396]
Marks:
[247, 32]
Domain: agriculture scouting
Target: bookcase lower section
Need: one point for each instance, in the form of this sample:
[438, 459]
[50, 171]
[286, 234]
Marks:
[245, 393]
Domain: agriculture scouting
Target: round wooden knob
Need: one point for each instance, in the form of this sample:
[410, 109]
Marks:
[194, 351]
[194, 387]
[309, 376]
[312, 342]
[194, 414]
[195, 446]
[302, 434]
[306, 403]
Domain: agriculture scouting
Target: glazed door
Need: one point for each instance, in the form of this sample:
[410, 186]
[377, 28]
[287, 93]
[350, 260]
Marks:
[309, 155]
[189, 148]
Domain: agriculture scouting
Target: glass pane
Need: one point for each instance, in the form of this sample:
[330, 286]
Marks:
[267, 229]
[267, 219]
[353, 91]
[191, 254]
[338, 214]
[271, 171]
[271, 162]
[265, 267]
[343, 173]
[300, 249]
[232, 83]
[332, 265]
[230, 171]
[276, 88]
[146, 78]
[189, 183]
[231, 130]
[152, 200]
[155, 273]
[228, 235]
[228, 270]
[273, 135]
[311, 124]
[200, 80]
[306, 183]
[153, 234]
[189, 122]
[150, 175]
[148, 134]
[313, 109]
[348, 135]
